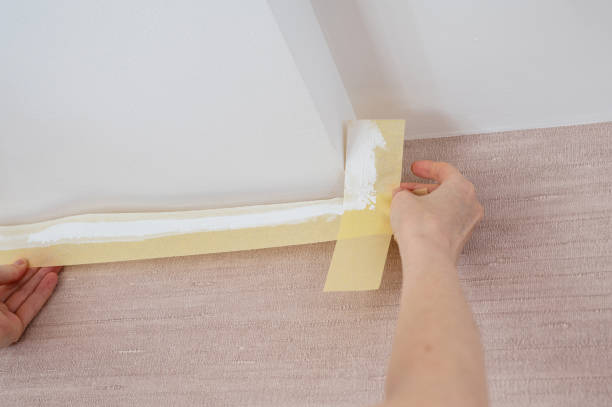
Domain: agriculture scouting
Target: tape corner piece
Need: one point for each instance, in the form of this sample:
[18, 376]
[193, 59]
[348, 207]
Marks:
[360, 255]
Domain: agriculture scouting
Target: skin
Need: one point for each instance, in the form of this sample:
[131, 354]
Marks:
[437, 357]
[23, 293]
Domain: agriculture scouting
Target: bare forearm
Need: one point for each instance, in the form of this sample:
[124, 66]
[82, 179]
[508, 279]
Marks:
[437, 356]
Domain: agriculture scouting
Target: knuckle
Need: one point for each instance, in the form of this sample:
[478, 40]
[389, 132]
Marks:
[404, 196]
[443, 165]
[451, 168]
[466, 188]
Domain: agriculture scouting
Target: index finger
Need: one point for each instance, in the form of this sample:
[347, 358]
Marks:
[13, 272]
[435, 170]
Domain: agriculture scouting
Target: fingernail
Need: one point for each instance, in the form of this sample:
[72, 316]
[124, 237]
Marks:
[20, 262]
[420, 191]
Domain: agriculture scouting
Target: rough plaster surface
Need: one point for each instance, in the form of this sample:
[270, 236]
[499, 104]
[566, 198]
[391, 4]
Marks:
[253, 328]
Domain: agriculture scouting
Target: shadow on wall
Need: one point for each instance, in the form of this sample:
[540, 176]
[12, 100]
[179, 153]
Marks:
[383, 81]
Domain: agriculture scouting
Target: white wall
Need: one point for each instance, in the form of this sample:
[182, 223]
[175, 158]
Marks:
[468, 66]
[155, 105]
[302, 32]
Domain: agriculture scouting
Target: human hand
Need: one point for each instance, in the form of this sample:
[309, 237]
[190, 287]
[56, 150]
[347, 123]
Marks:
[444, 218]
[23, 293]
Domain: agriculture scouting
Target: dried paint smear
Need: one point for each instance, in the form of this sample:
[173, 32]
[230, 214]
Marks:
[364, 137]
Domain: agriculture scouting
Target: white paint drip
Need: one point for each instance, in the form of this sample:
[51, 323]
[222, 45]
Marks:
[364, 137]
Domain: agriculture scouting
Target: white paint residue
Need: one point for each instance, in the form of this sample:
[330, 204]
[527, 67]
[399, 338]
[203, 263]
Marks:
[140, 229]
[364, 137]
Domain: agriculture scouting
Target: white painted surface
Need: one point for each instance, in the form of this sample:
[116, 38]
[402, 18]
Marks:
[153, 105]
[300, 27]
[363, 138]
[150, 105]
[468, 66]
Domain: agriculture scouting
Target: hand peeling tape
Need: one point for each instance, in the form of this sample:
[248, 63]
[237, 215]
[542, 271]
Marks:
[359, 222]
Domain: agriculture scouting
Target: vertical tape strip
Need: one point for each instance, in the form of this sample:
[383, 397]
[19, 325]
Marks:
[364, 235]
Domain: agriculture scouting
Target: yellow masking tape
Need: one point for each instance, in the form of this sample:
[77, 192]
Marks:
[364, 236]
[103, 237]
[358, 263]
[176, 245]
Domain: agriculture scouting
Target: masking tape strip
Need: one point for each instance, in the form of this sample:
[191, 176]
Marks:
[363, 239]
[358, 263]
[362, 213]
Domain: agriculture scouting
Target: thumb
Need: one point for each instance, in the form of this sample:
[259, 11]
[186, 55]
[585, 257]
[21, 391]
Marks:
[13, 272]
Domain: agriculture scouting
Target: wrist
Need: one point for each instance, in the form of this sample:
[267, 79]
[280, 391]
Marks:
[423, 251]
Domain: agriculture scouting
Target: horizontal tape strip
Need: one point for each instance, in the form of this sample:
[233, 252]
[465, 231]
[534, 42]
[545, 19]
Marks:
[97, 238]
